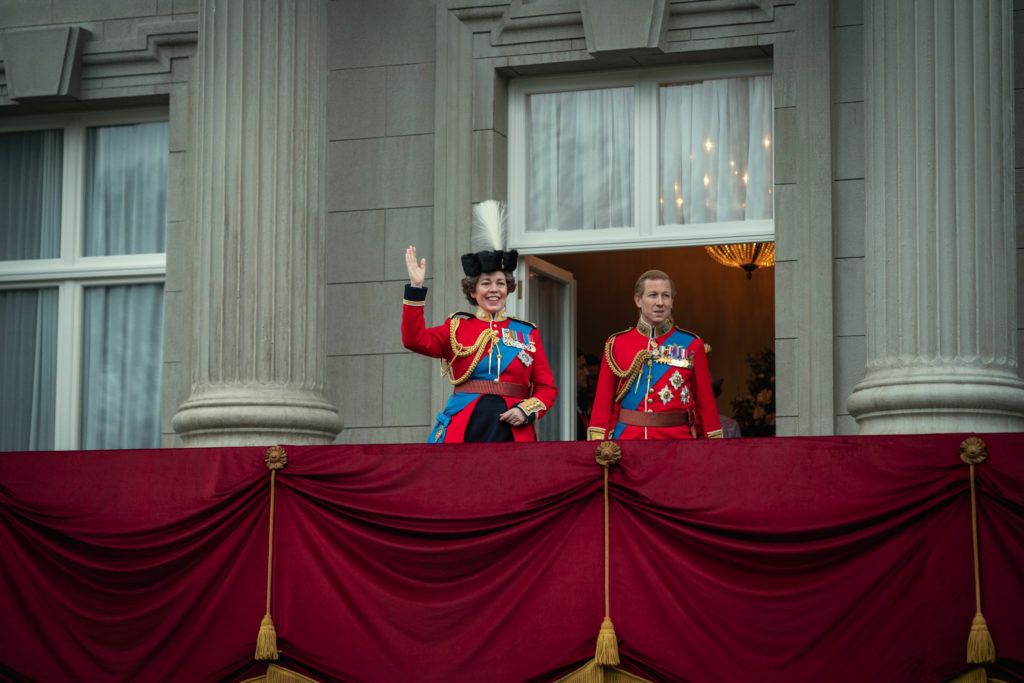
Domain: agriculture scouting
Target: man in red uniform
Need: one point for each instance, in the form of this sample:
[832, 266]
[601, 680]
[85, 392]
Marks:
[654, 381]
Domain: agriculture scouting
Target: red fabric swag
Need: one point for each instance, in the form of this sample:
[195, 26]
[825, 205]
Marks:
[787, 559]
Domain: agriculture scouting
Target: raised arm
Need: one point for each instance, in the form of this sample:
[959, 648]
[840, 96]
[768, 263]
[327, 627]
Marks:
[416, 336]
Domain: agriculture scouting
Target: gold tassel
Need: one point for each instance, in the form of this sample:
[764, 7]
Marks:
[601, 669]
[607, 653]
[266, 641]
[980, 648]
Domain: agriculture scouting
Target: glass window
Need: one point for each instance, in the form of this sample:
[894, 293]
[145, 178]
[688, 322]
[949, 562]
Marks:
[31, 173]
[28, 366]
[651, 157]
[82, 268]
[123, 215]
[580, 160]
[121, 366]
[715, 154]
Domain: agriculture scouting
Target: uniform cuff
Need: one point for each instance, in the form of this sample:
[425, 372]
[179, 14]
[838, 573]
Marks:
[715, 434]
[414, 296]
[595, 434]
[531, 407]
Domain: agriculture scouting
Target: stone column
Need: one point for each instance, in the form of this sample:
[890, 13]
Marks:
[258, 270]
[939, 265]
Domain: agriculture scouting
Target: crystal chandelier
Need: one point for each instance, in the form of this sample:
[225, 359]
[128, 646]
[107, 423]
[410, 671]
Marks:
[749, 256]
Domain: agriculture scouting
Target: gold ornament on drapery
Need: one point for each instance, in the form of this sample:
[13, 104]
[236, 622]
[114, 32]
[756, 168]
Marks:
[603, 667]
[266, 642]
[279, 674]
[749, 256]
[980, 648]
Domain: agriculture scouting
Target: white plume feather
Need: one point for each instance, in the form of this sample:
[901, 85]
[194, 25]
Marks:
[490, 224]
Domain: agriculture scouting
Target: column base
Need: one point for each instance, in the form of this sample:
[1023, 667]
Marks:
[929, 400]
[256, 416]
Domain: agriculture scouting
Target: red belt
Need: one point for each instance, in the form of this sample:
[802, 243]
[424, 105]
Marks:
[480, 386]
[636, 418]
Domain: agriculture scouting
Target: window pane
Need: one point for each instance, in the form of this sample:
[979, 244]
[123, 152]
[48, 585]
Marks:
[31, 174]
[716, 157]
[580, 172]
[28, 369]
[126, 189]
[121, 366]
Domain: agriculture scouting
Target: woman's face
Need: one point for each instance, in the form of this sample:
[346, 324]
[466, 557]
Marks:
[491, 292]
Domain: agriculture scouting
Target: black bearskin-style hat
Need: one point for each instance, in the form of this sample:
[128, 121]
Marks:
[489, 261]
[488, 241]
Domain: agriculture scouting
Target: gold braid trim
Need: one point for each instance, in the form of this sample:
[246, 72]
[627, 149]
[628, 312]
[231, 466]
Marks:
[531, 405]
[479, 347]
[626, 377]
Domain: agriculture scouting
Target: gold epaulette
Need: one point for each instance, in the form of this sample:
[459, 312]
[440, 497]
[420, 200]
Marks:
[461, 314]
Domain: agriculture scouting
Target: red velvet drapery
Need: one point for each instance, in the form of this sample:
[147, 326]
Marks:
[790, 559]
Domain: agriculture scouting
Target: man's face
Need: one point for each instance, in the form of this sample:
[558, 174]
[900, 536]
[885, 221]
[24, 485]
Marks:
[655, 303]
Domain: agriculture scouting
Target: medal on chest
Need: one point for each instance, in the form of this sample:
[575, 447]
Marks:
[518, 340]
[675, 355]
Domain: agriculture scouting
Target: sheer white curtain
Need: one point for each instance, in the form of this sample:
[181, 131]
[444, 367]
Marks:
[716, 159]
[31, 172]
[580, 160]
[125, 189]
[121, 366]
[125, 213]
[28, 366]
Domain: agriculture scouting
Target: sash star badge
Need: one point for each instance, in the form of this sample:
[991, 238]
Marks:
[665, 395]
[525, 358]
[676, 380]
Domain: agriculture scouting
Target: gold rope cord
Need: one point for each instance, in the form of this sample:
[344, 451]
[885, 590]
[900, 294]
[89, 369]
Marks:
[980, 648]
[479, 347]
[266, 642]
[607, 651]
[626, 377]
[603, 668]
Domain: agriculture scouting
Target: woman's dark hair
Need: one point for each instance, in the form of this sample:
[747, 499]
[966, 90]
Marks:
[469, 285]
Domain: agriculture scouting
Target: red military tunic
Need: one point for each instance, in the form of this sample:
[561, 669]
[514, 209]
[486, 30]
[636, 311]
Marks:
[482, 349]
[662, 371]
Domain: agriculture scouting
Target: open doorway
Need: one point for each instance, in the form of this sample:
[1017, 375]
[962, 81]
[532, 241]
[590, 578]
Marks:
[734, 315]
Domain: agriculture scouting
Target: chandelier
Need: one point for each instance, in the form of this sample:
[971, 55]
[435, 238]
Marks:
[749, 256]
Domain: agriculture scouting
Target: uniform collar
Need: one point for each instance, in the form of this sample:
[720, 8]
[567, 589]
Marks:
[481, 314]
[653, 332]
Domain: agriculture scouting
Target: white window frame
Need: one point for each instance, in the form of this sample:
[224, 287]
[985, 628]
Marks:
[645, 231]
[71, 273]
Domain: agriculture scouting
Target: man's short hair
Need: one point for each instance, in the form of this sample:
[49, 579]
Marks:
[638, 289]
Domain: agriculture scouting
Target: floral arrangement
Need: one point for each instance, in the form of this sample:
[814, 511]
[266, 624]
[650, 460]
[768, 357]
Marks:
[755, 412]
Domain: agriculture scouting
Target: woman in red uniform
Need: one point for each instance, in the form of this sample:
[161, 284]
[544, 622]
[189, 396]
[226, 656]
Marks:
[496, 364]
